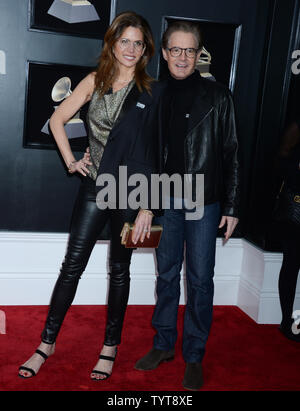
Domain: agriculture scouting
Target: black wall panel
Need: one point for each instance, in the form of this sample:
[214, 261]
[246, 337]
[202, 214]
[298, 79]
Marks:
[35, 191]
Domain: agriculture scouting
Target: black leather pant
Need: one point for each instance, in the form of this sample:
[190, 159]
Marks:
[87, 223]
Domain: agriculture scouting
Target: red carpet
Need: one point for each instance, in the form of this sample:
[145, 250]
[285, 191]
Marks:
[241, 355]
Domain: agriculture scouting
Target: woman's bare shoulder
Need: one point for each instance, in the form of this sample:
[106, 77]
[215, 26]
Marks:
[91, 79]
[88, 84]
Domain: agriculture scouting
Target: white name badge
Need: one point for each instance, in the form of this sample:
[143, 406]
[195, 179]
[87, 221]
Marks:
[140, 105]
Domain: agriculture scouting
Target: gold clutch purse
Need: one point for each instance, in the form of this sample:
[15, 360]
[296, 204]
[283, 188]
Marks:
[151, 242]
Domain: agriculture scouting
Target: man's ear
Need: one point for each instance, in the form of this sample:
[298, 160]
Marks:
[164, 53]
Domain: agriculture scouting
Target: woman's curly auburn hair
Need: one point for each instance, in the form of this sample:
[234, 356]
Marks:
[107, 70]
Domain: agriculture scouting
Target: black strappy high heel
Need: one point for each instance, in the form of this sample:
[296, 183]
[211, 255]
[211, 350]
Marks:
[33, 373]
[106, 374]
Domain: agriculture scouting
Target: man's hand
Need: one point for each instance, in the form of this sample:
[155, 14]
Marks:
[231, 224]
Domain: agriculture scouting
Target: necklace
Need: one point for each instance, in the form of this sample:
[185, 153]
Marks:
[124, 81]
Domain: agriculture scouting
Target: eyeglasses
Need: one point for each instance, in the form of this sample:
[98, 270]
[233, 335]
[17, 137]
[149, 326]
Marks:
[177, 51]
[126, 43]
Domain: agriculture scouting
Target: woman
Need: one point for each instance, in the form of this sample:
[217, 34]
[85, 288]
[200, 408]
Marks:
[122, 120]
[290, 171]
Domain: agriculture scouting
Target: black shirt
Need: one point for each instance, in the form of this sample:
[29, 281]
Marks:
[180, 94]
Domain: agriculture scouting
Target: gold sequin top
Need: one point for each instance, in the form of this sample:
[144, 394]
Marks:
[101, 116]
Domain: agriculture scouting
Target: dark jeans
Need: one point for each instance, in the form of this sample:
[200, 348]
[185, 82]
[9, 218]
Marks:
[87, 222]
[200, 238]
[289, 271]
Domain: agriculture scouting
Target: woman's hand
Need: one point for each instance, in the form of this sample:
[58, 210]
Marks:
[80, 166]
[142, 226]
[87, 155]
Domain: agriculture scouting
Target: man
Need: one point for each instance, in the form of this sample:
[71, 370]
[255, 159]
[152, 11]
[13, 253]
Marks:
[200, 139]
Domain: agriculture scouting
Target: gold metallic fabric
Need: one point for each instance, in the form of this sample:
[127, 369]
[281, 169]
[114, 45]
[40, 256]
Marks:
[101, 116]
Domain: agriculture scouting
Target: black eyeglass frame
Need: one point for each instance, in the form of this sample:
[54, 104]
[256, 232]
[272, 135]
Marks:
[195, 51]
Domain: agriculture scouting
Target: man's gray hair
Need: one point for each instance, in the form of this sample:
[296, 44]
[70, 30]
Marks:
[186, 26]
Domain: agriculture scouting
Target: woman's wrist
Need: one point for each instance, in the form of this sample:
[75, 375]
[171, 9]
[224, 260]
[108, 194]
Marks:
[70, 166]
[146, 211]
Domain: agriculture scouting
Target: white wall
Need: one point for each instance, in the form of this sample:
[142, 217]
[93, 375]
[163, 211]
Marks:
[244, 275]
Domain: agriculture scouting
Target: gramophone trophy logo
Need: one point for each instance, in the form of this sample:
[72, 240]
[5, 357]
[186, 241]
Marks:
[73, 11]
[74, 128]
[203, 64]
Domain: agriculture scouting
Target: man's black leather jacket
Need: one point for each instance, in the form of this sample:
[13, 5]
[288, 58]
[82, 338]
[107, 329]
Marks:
[211, 146]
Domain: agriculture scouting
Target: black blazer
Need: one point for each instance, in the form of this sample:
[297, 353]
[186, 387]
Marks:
[135, 140]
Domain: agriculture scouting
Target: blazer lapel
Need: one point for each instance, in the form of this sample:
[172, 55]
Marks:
[129, 102]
